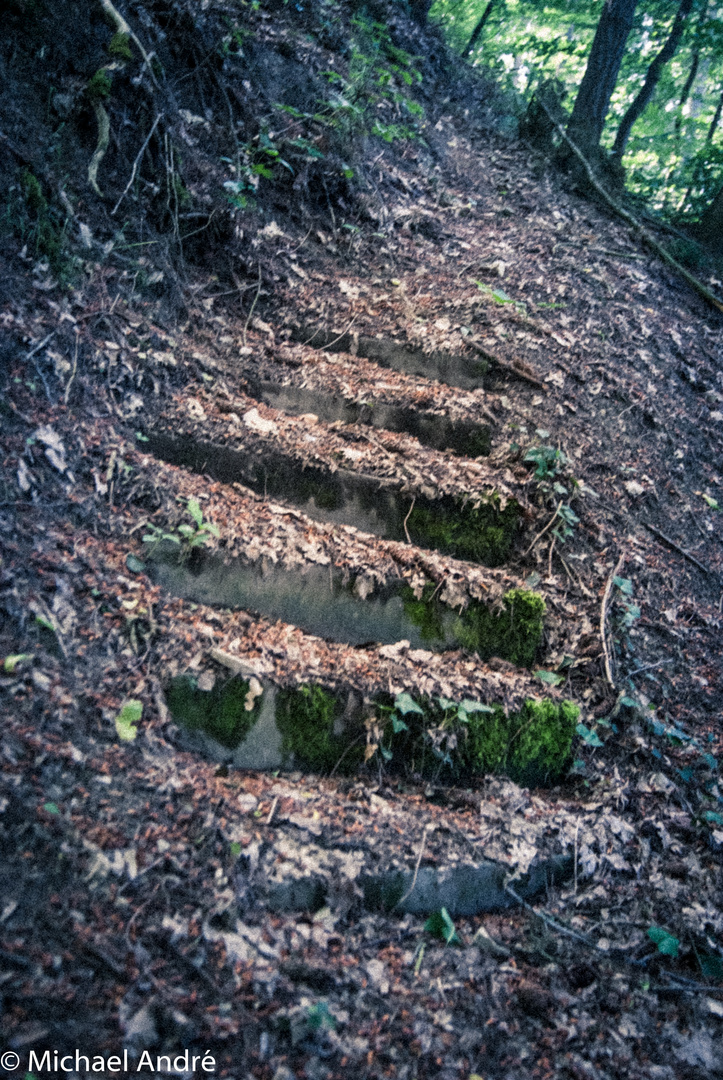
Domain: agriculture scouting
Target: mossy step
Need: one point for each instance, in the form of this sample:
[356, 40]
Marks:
[325, 601]
[322, 730]
[467, 438]
[479, 526]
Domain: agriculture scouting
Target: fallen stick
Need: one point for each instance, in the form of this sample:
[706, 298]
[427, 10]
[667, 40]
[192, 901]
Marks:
[649, 239]
[676, 547]
[603, 618]
[511, 369]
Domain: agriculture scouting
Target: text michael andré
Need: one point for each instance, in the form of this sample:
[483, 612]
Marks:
[55, 1061]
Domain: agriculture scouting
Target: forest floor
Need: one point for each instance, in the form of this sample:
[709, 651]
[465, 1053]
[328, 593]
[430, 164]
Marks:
[157, 900]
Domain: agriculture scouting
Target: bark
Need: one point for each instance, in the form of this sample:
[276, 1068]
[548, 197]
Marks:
[478, 29]
[687, 87]
[593, 98]
[709, 229]
[642, 98]
[419, 10]
[716, 119]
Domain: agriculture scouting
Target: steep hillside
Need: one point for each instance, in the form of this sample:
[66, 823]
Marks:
[361, 563]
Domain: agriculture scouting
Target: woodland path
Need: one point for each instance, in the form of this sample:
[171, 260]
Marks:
[163, 900]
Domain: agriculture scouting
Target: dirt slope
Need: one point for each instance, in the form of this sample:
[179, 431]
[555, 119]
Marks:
[482, 350]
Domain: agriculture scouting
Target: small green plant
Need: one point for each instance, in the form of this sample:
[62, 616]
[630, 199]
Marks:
[186, 537]
[440, 925]
[549, 462]
[665, 942]
[500, 297]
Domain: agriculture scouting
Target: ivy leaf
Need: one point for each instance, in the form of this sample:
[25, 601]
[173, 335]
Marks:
[550, 677]
[624, 584]
[440, 925]
[667, 944]
[51, 808]
[405, 703]
[588, 736]
[398, 725]
[126, 720]
[195, 511]
[469, 706]
[10, 663]
[713, 818]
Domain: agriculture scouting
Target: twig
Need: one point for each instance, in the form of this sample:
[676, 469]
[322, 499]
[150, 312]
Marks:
[38, 347]
[406, 530]
[511, 369]
[542, 533]
[136, 163]
[72, 374]
[649, 239]
[649, 667]
[560, 927]
[427, 828]
[676, 547]
[272, 811]
[342, 334]
[549, 559]
[346, 751]
[253, 305]
[122, 27]
[603, 618]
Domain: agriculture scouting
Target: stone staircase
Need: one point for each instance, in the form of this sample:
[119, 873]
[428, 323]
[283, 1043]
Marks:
[364, 496]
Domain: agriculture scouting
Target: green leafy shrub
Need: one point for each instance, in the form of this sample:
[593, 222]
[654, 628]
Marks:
[186, 537]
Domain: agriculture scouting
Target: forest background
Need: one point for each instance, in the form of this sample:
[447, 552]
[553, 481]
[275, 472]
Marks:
[673, 159]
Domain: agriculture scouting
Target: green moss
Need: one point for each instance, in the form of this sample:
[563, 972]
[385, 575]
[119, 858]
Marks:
[532, 746]
[481, 534]
[306, 718]
[37, 223]
[220, 713]
[99, 86]
[119, 46]
[513, 634]
[541, 741]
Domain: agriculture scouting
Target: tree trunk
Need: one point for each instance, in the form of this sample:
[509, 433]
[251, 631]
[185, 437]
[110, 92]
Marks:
[419, 10]
[652, 78]
[685, 93]
[478, 29]
[709, 230]
[716, 119]
[593, 98]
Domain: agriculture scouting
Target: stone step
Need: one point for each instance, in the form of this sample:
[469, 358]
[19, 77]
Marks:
[384, 484]
[351, 390]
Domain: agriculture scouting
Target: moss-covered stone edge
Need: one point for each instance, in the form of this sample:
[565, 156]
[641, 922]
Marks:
[512, 633]
[480, 533]
[437, 738]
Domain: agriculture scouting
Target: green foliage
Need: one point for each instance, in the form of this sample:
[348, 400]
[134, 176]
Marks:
[470, 738]
[666, 943]
[126, 720]
[119, 46]
[100, 85]
[440, 925]
[513, 634]
[227, 713]
[186, 536]
[549, 462]
[670, 160]
[28, 215]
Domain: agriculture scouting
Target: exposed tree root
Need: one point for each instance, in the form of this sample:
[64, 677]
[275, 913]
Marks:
[649, 239]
